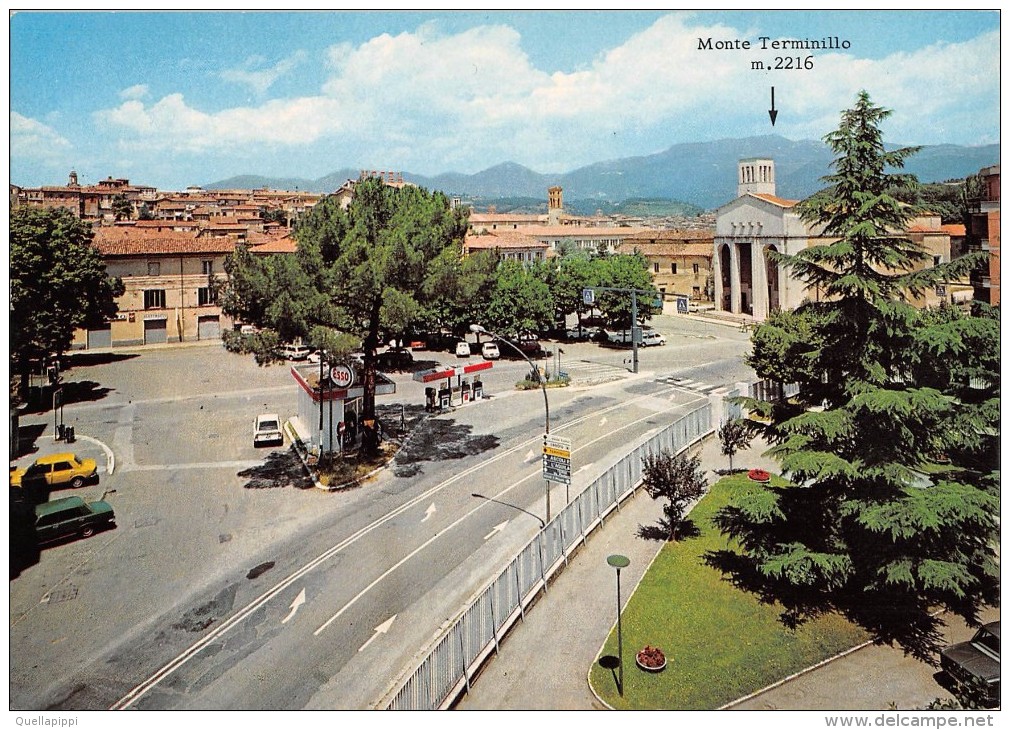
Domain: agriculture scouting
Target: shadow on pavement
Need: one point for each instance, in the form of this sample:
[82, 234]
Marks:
[280, 469]
[88, 359]
[439, 440]
[28, 437]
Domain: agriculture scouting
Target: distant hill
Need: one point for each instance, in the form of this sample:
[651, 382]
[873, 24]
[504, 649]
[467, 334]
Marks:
[701, 174]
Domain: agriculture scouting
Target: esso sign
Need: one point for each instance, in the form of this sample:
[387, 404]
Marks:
[342, 376]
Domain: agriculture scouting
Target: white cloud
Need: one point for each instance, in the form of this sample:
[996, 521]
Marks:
[137, 91]
[261, 79]
[33, 140]
[431, 102]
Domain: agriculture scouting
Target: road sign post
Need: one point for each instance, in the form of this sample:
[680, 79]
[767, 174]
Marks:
[557, 461]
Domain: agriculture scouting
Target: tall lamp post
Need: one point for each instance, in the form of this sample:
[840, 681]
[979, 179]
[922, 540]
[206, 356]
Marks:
[543, 526]
[476, 328]
[618, 562]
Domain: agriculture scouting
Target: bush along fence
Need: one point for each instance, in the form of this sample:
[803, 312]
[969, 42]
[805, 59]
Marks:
[456, 655]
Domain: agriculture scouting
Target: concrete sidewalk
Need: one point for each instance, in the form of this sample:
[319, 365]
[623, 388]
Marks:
[578, 612]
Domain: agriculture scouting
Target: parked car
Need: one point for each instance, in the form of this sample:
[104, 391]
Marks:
[490, 351]
[56, 470]
[530, 346]
[394, 359]
[267, 430]
[974, 664]
[462, 349]
[619, 337]
[295, 352]
[576, 334]
[71, 516]
[651, 337]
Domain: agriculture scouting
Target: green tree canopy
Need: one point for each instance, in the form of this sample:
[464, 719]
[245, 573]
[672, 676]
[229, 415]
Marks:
[624, 271]
[365, 271]
[58, 284]
[520, 300]
[892, 442]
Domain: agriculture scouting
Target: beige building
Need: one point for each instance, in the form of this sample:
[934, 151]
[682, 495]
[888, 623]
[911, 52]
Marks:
[680, 261]
[758, 222]
[168, 295]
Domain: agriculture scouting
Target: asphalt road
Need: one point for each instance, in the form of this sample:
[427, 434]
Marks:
[229, 583]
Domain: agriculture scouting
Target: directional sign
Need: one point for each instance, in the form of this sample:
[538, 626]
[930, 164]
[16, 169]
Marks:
[557, 459]
[588, 297]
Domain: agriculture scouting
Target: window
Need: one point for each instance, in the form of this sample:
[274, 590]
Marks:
[154, 299]
[696, 292]
[154, 268]
[655, 267]
[673, 268]
[937, 260]
[208, 267]
[695, 267]
[206, 296]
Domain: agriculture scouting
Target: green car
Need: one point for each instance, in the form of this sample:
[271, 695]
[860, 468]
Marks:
[71, 516]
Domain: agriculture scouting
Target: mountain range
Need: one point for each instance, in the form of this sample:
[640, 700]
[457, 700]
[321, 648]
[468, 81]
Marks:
[700, 173]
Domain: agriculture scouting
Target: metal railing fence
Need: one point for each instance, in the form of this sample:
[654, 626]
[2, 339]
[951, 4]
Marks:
[447, 669]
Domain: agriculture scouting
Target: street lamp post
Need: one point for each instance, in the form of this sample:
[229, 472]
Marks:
[618, 562]
[540, 541]
[543, 387]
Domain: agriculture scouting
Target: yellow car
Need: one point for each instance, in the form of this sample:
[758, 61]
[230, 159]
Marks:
[56, 470]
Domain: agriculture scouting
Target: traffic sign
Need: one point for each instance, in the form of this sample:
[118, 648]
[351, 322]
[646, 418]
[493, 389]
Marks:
[557, 459]
[588, 297]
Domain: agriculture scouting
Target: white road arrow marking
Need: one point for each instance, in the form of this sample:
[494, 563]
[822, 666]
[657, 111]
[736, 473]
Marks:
[530, 456]
[429, 512]
[295, 605]
[603, 420]
[496, 529]
[380, 629]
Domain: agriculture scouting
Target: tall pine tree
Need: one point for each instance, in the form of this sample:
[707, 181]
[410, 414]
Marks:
[892, 443]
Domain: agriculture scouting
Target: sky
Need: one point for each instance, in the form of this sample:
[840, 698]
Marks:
[184, 98]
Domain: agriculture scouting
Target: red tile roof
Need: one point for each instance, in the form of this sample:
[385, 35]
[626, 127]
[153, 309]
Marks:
[283, 244]
[783, 202]
[139, 242]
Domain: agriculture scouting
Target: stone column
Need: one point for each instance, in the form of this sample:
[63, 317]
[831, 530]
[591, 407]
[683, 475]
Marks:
[734, 278]
[759, 281]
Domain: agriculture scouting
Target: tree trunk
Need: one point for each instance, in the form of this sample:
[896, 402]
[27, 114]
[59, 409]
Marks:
[369, 425]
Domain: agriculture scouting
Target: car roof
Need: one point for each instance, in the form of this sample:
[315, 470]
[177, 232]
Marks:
[52, 458]
[267, 417]
[992, 628]
[57, 505]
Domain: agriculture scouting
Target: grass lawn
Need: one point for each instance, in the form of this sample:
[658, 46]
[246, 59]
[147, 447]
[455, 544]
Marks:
[720, 643]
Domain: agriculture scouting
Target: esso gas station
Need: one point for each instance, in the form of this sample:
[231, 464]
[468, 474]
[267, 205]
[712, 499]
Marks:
[330, 404]
[457, 385]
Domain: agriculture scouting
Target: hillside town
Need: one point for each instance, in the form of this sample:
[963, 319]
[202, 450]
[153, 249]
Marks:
[169, 247]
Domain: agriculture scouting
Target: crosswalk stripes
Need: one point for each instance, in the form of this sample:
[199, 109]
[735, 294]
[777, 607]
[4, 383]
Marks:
[695, 386]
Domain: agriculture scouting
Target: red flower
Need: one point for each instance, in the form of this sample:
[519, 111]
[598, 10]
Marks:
[758, 475]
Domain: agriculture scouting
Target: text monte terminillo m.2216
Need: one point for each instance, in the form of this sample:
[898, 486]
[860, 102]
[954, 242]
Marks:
[767, 43]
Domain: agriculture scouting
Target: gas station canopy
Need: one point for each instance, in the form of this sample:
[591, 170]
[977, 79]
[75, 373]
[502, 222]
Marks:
[446, 372]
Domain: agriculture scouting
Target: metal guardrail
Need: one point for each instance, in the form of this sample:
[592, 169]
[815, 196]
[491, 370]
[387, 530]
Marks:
[446, 671]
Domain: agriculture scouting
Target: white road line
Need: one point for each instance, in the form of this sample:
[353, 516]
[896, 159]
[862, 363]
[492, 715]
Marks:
[224, 627]
[248, 464]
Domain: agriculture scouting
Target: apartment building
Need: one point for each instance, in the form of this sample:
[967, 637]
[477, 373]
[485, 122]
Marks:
[680, 261]
[168, 294]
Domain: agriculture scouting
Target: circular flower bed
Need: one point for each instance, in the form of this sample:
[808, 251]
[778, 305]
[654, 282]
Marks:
[651, 659]
[758, 475]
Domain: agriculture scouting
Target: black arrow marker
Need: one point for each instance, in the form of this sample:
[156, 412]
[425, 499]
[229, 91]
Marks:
[771, 112]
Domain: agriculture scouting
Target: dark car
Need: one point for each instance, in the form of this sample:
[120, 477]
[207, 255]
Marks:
[394, 359]
[71, 516]
[974, 665]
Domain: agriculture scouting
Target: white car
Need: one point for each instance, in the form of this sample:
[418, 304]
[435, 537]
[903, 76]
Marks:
[267, 430]
[295, 352]
[462, 349]
[490, 351]
[587, 333]
[651, 337]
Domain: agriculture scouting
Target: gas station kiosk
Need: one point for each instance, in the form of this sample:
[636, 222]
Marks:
[448, 394]
[329, 407]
